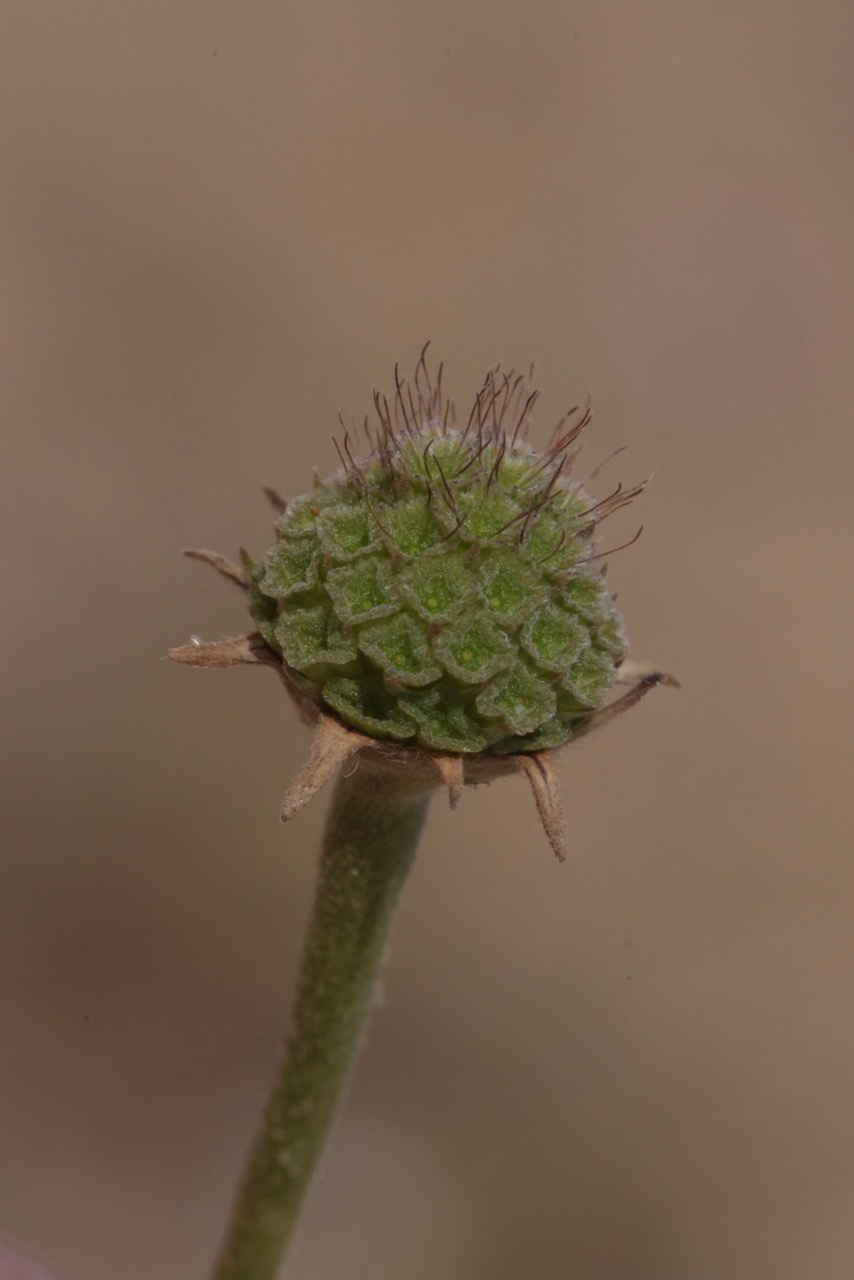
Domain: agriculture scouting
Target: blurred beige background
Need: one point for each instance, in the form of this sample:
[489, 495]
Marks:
[218, 225]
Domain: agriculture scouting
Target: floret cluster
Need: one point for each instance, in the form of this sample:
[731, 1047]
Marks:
[443, 590]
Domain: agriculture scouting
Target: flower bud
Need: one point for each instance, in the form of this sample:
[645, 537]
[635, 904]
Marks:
[442, 591]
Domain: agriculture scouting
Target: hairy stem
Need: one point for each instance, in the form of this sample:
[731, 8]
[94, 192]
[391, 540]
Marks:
[369, 843]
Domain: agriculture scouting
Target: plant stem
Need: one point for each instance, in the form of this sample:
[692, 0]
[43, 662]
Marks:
[368, 847]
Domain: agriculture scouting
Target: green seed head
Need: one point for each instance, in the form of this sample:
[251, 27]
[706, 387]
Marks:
[442, 591]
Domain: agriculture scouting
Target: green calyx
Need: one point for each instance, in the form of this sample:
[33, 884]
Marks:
[442, 591]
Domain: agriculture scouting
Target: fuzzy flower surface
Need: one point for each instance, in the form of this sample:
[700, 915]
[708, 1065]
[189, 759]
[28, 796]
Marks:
[443, 590]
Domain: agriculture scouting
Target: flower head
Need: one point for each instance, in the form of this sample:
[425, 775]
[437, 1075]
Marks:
[441, 593]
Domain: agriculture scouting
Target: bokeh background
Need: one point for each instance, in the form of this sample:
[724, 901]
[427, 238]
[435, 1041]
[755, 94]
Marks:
[219, 223]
